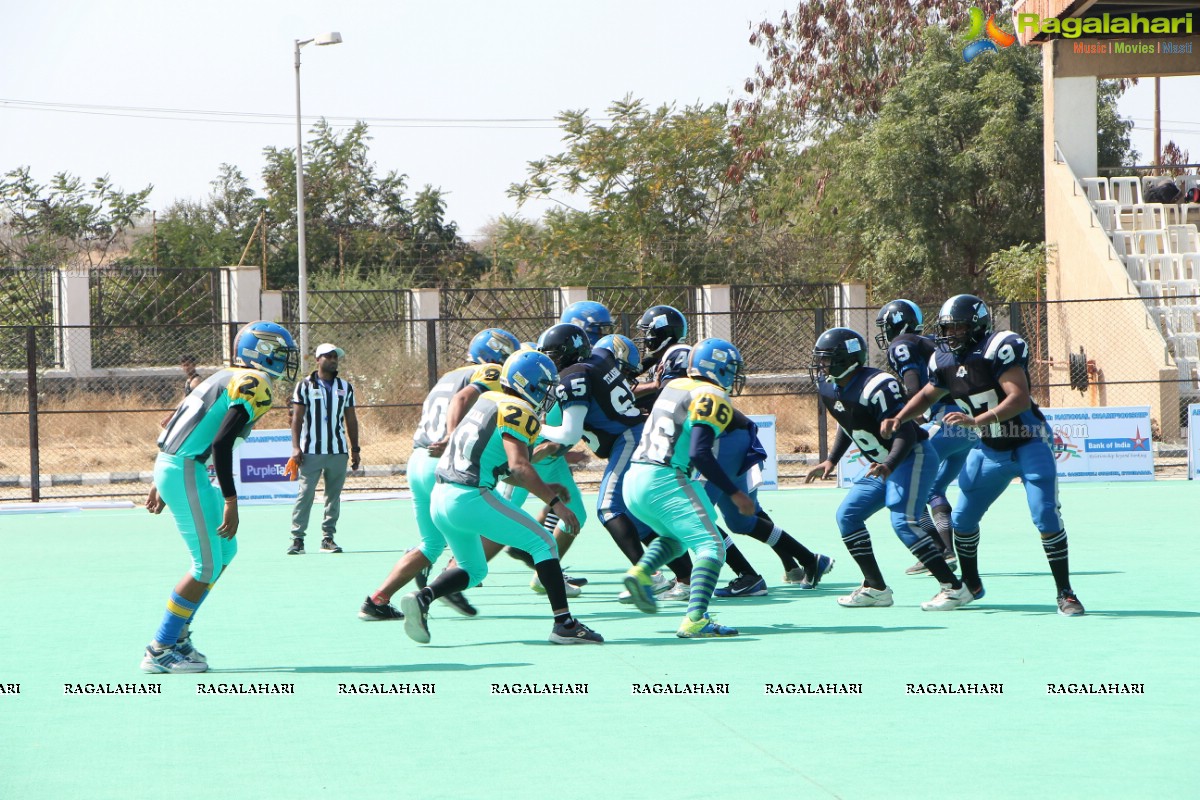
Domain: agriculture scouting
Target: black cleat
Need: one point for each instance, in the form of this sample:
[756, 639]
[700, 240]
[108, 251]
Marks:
[328, 545]
[1069, 605]
[375, 613]
[575, 632]
[459, 603]
[297, 548]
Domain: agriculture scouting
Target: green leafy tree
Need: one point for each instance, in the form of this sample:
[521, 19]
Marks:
[1018, 273]
[65, 222]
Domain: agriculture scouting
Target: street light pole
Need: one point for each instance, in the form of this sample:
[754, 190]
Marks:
[322, 40]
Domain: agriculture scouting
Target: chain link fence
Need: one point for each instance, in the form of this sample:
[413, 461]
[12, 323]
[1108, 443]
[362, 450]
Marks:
[91, 432]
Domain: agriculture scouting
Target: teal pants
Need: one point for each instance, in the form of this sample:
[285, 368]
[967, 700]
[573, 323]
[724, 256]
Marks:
[421, 480]
[464, 513]
[198, 510]
[555, 470]
[675, 507]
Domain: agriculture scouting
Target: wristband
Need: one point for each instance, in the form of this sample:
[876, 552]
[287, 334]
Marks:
[355, 449]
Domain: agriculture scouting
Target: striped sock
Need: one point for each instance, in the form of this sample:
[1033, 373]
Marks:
[660, 551]
[704, 579]
[1055, 545]
[179, 612]
[859, 545]
[966, 543]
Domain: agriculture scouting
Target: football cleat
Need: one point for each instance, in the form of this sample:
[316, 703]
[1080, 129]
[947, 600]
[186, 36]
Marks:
[1069, 605]
[865, 596]
[574, 632]
[949, 598]
[370, 612]
[703, 628]
[416, 617]
[641, 588]
[170, 660]
[743, 586]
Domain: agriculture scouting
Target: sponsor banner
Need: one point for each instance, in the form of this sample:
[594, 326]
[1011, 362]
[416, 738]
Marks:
[1193, 442]
[1090, 444]
[766, 474]
[1102, 444]
[258, 468]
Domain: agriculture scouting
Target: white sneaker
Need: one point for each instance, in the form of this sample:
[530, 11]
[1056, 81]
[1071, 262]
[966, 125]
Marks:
[171, 661]
[661, 584]
[865, 596]
[572, 591]
[794, 575]
[948, 598]
[678, 591]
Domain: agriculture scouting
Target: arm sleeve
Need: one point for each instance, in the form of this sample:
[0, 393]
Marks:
[907, 435]
[701, 454]
[840, 445]
[912, 381]
[571, 429]
[740, 422]
[222, 450]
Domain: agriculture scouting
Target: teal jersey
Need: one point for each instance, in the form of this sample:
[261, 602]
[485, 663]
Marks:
[432, 426]
[194, 425]
[683, 404]
[476, 455]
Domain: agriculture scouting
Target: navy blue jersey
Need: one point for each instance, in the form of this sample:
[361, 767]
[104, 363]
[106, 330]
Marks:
[870, 397]
[912, 351]
[598, 383]
[974, 384]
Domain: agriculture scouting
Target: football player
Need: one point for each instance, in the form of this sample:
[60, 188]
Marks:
[986, 374]
[493, 442]
[454, 390]
[663, 329]
[597, 406]
[903, 467]
[593, 317]
[900, 335]
[686, 419]
[210, 422]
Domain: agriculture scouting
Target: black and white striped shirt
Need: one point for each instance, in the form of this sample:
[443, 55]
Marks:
[324, 429]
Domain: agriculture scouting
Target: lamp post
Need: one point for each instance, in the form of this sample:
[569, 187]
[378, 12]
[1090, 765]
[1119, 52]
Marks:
[322, 40]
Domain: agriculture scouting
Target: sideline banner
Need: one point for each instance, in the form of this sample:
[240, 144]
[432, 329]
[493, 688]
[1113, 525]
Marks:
[1193, 442]
[258, 468]
[1090, 444]
[1109, 443]
[766, 474]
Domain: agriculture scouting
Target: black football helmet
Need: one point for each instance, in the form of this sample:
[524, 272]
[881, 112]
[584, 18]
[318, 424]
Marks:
[661, 327]
[566, 344]
[895, 318]
[837, 353]
[963, 323]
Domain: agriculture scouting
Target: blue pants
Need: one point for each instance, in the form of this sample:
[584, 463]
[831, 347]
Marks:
[611, 502]
[951, 443]
[903, 493]
[731, 449]
[989, 472]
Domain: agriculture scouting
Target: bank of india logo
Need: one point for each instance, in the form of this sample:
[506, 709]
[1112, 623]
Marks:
[984, 37]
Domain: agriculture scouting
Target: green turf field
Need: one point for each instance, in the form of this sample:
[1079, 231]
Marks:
[81, 593]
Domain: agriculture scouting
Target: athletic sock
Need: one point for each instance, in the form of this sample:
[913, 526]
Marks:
[967, 545]
[704, 580]
[929, 554]
[782, 542]
[1055, 545]
[928, 526]
[551, 575]
[859, 545]
[179, 612]
[660, 551]
[736, 560]
[451, 579]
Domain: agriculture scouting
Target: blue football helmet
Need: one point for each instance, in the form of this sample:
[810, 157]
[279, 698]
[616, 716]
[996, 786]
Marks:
[268, 347]
[532, 376]
[624, 351]
[895, 318]
[592, 317]
[492, 346]
[718, 361]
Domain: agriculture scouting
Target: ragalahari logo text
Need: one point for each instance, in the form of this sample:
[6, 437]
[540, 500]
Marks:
[984, 37]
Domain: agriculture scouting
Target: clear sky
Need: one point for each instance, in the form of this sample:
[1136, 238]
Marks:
[451, 61]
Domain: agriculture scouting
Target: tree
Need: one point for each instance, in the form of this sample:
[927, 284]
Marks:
[1113, 147]
[650, 197]
[952, 170]
[65, 222]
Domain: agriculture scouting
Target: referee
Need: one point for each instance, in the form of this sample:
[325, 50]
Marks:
[323, 419]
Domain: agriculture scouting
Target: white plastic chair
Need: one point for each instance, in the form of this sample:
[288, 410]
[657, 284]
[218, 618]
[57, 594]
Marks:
[1109, 214]
[1122, 242]
[1183, 238]
[1097, 189]
[1126, 191]
[1189, 266]
[1149, 217]
[1164, 268]
[1150, 243]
